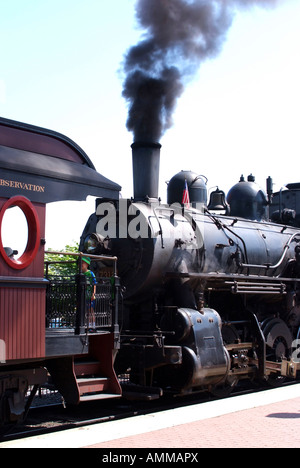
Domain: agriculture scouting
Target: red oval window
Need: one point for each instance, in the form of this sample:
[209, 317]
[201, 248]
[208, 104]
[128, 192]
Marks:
[33, 240]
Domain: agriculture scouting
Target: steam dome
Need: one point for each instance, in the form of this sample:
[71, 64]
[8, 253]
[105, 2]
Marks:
[196, 187]
[247, 200]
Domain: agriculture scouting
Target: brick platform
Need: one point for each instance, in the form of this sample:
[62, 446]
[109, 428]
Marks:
[272, 426]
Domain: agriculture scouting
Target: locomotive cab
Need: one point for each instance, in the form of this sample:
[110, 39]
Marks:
[285, 206]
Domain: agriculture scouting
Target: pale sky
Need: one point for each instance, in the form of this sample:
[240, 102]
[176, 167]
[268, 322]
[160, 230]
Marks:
[60, 69]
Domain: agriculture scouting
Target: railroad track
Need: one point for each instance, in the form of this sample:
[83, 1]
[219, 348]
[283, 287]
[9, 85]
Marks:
[54, 417]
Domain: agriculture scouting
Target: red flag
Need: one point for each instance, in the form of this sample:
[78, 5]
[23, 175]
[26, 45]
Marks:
[186, 196]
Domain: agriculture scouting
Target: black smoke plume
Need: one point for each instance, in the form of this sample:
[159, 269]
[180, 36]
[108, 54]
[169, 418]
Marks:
[179, 36]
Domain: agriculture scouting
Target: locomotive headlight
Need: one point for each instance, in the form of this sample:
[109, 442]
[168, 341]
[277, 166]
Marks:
[92, 243]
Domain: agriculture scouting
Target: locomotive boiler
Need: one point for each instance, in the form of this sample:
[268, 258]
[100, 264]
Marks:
[210, 291]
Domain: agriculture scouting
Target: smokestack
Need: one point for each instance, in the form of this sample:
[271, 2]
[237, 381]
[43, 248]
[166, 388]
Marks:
[145, 164]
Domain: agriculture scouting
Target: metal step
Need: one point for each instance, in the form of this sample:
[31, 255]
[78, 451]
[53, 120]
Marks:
[92, 384]
[99, 396]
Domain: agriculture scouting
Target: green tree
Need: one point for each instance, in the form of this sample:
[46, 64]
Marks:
[61, 264]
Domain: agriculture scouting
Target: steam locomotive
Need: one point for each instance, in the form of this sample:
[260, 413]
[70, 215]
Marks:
[192, 295]
[210, 290]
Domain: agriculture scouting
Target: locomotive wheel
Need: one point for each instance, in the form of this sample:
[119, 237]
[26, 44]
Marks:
[275, 354]
[278, 340]
[279, 349]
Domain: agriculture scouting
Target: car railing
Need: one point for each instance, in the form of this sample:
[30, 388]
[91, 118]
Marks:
[67, 300]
